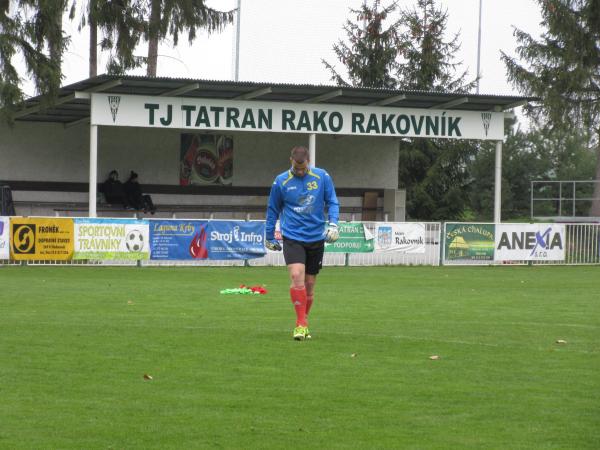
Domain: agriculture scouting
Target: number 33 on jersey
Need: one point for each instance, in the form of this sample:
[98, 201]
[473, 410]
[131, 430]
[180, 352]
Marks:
[299, 203]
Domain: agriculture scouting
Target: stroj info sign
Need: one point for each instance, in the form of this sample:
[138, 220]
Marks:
[233, 115]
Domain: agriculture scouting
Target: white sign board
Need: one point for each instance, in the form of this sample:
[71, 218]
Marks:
[4, 238]
[530, 242]
[238, 115]
[98, 238]
[400, 237]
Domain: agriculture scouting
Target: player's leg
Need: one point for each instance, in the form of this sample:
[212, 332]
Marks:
[314, 263]
[298, 292]
[295, 258]
[309, 284]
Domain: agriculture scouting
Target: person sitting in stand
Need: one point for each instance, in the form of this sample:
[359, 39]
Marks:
[113, 190]
[135, 197]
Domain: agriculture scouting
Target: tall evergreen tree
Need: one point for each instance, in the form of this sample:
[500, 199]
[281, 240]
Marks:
[172, 17]
[427, 57]
[412, 53]
[89, 18]
[563, 68]
[32, 29]
[124, 23]
[433, 172]
[370, 55]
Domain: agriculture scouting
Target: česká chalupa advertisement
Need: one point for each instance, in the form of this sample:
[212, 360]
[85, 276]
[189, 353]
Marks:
[41, 239]
[111, 239]
[469, 241]
[530, 242]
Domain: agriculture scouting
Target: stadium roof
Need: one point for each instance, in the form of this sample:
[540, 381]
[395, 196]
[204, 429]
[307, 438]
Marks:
[73, 104]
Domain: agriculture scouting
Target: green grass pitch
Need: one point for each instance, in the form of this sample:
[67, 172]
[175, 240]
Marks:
[75, 343]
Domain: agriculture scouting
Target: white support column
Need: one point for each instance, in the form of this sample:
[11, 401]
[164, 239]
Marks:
[312, 149]
[498, 184]
[237, 41]
[93, 169]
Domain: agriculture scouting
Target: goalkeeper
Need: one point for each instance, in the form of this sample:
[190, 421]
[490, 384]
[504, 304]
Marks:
[298, 199]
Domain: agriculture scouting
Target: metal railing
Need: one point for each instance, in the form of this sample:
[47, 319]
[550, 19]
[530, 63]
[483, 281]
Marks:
[431, 257]
[582, 244]
[581, 247]
[562, 199]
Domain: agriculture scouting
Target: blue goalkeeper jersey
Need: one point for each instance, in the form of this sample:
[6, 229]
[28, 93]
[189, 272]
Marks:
[299, 203]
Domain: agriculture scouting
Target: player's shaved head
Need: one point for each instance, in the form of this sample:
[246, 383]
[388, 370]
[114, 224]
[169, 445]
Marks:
[299, 158]
[300, 154]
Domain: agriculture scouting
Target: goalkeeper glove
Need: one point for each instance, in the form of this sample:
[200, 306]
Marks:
[273, 245]
[332, 234]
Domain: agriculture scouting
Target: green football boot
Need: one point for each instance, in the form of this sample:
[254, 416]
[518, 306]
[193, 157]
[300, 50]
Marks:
[307, 333]
[300, 333]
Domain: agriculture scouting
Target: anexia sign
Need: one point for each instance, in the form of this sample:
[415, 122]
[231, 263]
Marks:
[530, 242]
[232, 115]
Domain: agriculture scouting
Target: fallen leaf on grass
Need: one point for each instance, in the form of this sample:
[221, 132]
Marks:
[434, 357]
[147, 377]
[561, 341]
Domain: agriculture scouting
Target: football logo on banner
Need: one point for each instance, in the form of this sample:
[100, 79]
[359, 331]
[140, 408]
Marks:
[134, 241]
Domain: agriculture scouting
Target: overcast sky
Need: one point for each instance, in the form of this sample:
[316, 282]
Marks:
[284, 41]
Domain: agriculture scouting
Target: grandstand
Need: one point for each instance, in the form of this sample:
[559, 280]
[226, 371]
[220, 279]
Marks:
[49, 152]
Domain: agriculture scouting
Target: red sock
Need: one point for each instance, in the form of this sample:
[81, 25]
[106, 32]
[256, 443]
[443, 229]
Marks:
[309, 302]
[298, 296]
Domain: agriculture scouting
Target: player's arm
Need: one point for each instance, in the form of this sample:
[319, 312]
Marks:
[333, 206]
[273, 211]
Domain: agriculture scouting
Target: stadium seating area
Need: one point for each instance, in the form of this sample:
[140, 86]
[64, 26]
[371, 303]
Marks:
[70, 199]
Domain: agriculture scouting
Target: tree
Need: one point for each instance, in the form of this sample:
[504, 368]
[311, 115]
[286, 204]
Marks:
[171, 17]
[428, 59]
[370, 56]
[435, 175]
[34, 30]
[433, 172]
[412, 54]
[89, 17]
[124, 23]
[537, 154]
[563, 68]
[115, 26]
[523, 161]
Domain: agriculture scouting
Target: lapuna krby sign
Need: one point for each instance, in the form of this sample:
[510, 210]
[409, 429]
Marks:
[232, 115]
